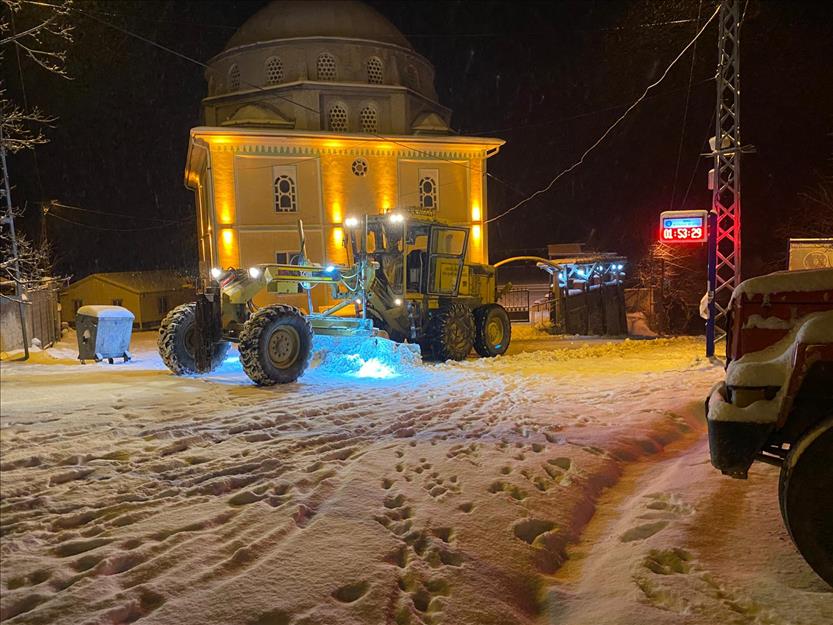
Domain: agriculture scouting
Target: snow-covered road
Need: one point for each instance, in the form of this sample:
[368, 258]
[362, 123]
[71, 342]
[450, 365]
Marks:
[447, 494]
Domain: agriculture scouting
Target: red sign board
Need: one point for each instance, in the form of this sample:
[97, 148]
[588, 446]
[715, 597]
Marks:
[683, 227]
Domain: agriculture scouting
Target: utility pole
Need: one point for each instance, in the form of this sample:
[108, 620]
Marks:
[724, 254]
[9, 221]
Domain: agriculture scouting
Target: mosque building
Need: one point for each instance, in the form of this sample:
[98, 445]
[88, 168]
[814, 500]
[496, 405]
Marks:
[322, 110]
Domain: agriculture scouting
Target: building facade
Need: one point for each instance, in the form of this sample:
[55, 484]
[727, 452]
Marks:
[320, 111]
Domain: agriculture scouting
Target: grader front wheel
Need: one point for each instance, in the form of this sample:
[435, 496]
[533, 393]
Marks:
[805, 492]
[275, 345]
[177, 341]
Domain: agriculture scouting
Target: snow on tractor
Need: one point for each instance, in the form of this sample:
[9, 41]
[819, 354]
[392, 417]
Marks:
[776, 404]
[408, 281]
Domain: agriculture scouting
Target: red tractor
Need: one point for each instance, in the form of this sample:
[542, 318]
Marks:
[776, 404]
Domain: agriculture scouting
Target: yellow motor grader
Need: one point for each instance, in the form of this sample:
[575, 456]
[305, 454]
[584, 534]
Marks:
[408, 281]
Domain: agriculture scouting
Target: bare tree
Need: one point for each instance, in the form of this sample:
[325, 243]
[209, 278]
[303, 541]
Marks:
[39, 30]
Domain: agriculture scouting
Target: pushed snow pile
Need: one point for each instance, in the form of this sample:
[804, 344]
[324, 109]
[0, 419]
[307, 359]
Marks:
[364, 357]
[638, 325]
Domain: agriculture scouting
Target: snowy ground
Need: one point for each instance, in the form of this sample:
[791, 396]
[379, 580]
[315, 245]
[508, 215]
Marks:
[460, 493]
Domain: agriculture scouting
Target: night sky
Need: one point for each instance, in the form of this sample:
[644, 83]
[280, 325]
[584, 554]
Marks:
[548, 78]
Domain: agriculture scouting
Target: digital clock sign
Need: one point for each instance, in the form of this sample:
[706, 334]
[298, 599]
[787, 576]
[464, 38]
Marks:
[683, 227]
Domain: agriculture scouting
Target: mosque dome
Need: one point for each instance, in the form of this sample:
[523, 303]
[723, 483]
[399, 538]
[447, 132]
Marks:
[332, 65]
[291, 19]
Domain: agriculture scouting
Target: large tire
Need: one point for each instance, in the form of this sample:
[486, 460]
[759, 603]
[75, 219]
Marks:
[275, 345]
[177, 341]
[493, 330]
[450, 333]
[805, 492]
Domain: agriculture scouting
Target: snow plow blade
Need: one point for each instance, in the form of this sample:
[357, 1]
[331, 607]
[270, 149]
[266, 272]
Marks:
[364, 356]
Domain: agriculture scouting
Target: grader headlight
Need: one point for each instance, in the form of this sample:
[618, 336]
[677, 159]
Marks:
[255, 273]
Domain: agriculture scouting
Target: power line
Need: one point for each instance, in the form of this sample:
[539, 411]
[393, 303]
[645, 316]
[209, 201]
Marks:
[121, 215]
[585, 114]
[685, 113]
[104, 229]
[611, 127]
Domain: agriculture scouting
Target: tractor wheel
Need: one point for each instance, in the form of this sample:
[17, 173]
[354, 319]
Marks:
[275, 345]
[805, 492]
[493, 330]
[450, 333]
[178, 341]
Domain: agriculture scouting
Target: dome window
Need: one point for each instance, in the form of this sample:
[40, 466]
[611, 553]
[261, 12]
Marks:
[375, 71]
[369, 119]
[234, 78]
[274, 71]
[411, 77]
[326, 66]
[337, 118]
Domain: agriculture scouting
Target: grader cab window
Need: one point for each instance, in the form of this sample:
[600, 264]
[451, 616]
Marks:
[445, 263]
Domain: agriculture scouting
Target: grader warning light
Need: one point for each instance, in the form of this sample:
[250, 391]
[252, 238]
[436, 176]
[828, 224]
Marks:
[683, 227]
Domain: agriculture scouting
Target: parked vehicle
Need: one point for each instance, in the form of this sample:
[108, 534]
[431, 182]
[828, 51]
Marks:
[776, 403]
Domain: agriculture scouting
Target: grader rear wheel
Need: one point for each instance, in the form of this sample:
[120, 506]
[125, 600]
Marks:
[805, 492]
[275, 345]
[450, 334]
[177, 341]
[494, 330]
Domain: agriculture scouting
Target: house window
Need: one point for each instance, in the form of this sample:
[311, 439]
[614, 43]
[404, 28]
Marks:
[274, 70]
[337, 118]
[359, 167]
[326, 66]
[375, 73]
[369, 119]
[428, 188]
[163, 304]
[286, 199]
[234, 78]
[282, 258]
[117, 302]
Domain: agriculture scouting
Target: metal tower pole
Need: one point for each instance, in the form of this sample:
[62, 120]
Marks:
[726, 150]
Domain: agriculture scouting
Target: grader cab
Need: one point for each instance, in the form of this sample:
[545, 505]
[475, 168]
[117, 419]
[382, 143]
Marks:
[408, 281]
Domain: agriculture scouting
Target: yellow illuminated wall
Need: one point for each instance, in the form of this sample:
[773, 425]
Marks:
[240, 226]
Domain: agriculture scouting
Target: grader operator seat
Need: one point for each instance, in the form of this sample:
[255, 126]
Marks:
[416, 262]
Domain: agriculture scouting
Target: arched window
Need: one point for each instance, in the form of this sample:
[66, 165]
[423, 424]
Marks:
[369, 119]
[274, 70]
[234, 78]
[428, 188]
[326, 66]
[337, 118]
[375, 73]
[285, 200]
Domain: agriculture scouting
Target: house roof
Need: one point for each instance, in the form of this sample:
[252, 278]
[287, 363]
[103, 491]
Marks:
[142, 281]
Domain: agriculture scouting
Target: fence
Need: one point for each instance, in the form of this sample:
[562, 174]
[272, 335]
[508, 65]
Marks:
[516, 303]
[43, 319]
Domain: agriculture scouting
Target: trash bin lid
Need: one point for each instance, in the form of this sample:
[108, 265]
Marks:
[109, 312]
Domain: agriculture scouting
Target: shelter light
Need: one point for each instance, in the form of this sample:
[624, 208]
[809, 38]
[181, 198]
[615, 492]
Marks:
[475, 212]
[351, 222]
[254, 272]
[216, 273]
[476, 232]
[397, 302]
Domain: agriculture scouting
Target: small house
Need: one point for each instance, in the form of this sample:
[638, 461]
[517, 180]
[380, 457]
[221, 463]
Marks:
[149, 295]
